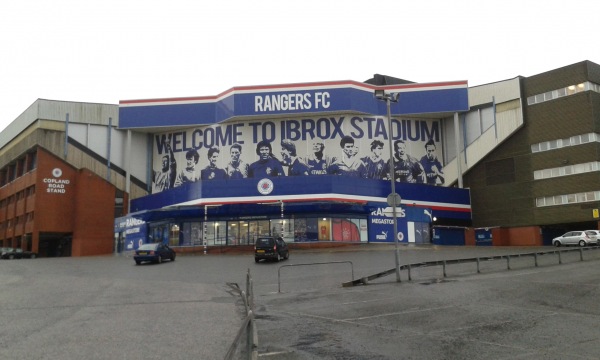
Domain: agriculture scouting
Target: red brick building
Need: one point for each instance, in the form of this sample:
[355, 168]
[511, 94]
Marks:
[60, 187]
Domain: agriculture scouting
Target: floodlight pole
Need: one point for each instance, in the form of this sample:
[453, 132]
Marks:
[388, 98]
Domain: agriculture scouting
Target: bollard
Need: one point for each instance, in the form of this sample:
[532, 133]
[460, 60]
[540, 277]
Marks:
[478, 271]
[535, 259]
[444, 268]
[250, 333]
[507, 262]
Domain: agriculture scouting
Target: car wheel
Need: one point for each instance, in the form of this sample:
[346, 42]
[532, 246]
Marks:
[277, 258]
[581, 243]
[137, 262]
[159, 259]
[173, 257]
[11, 257]
[557, 243]
[256, 260]
[32, 256]
[287, 256]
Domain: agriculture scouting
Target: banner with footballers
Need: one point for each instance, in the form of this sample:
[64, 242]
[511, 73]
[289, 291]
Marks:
[335, 144]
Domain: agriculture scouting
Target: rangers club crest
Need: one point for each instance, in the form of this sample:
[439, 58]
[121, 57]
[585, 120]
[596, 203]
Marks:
[265, 186]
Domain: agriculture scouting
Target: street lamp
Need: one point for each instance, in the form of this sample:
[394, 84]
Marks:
[393, 199]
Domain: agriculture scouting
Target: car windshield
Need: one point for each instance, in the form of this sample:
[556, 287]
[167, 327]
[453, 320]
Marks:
[148, 247]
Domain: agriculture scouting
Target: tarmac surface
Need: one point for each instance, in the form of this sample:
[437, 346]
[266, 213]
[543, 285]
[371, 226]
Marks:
[549, 311]
[106, 307]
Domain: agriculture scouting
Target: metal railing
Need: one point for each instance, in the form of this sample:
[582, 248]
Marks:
[311, 264]
[248, 327]
[476, 260]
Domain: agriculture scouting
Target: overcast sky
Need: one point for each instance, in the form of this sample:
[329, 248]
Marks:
[106, 51]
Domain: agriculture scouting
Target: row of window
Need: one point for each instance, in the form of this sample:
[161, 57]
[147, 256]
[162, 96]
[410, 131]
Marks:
[560, 143]
[22, 219]
[568, 199]
[236, 232]
[566, 170]
[18, 168]
[569, 90]
[30, 191]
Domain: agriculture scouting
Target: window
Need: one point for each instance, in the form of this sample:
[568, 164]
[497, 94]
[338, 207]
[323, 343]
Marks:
[569, 90]
[575, 140]
[558, 200]
[560, 143]
[566, 170]
[585, 138]
[32, 163]
[568, 198]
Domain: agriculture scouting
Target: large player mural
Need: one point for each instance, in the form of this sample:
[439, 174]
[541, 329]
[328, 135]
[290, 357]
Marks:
[333, 145]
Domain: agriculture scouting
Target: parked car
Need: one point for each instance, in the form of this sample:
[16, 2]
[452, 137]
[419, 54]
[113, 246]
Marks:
[594, 234]
[4, 251]
[581, 238]
[10, 253]
[270, 248]
[155, 252]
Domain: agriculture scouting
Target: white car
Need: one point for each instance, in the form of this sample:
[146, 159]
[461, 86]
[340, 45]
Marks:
[581, 238]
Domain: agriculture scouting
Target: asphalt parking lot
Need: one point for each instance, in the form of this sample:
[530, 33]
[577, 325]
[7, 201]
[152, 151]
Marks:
[546, 312]
[107, 307]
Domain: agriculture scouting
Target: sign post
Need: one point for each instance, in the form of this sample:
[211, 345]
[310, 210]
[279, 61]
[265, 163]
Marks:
[393, 199]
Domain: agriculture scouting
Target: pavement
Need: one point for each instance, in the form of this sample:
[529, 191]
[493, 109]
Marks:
[106, 307]
[548, 311]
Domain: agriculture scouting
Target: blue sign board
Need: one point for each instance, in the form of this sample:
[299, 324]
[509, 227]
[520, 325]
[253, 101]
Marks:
[340, 96]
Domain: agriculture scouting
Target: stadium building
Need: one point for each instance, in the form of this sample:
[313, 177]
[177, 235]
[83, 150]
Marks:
[513, 162]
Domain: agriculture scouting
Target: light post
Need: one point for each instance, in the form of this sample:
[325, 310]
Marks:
[393, 199]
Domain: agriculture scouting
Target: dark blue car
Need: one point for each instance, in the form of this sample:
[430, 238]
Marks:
[155, 252]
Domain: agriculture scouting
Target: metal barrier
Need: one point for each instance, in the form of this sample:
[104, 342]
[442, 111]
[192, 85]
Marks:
[477, 260]
[310, 264]
[248, 327]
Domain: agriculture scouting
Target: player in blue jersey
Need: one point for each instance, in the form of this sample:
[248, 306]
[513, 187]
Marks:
[290, 159]
[236, 168]
[318, 162]
[374, 163]
[212, 172]
[406, 168]
[431, 164]
[267, 165]
[348, 164]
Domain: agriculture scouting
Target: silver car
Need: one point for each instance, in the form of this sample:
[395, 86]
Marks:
[594, 234]
[581, 238]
